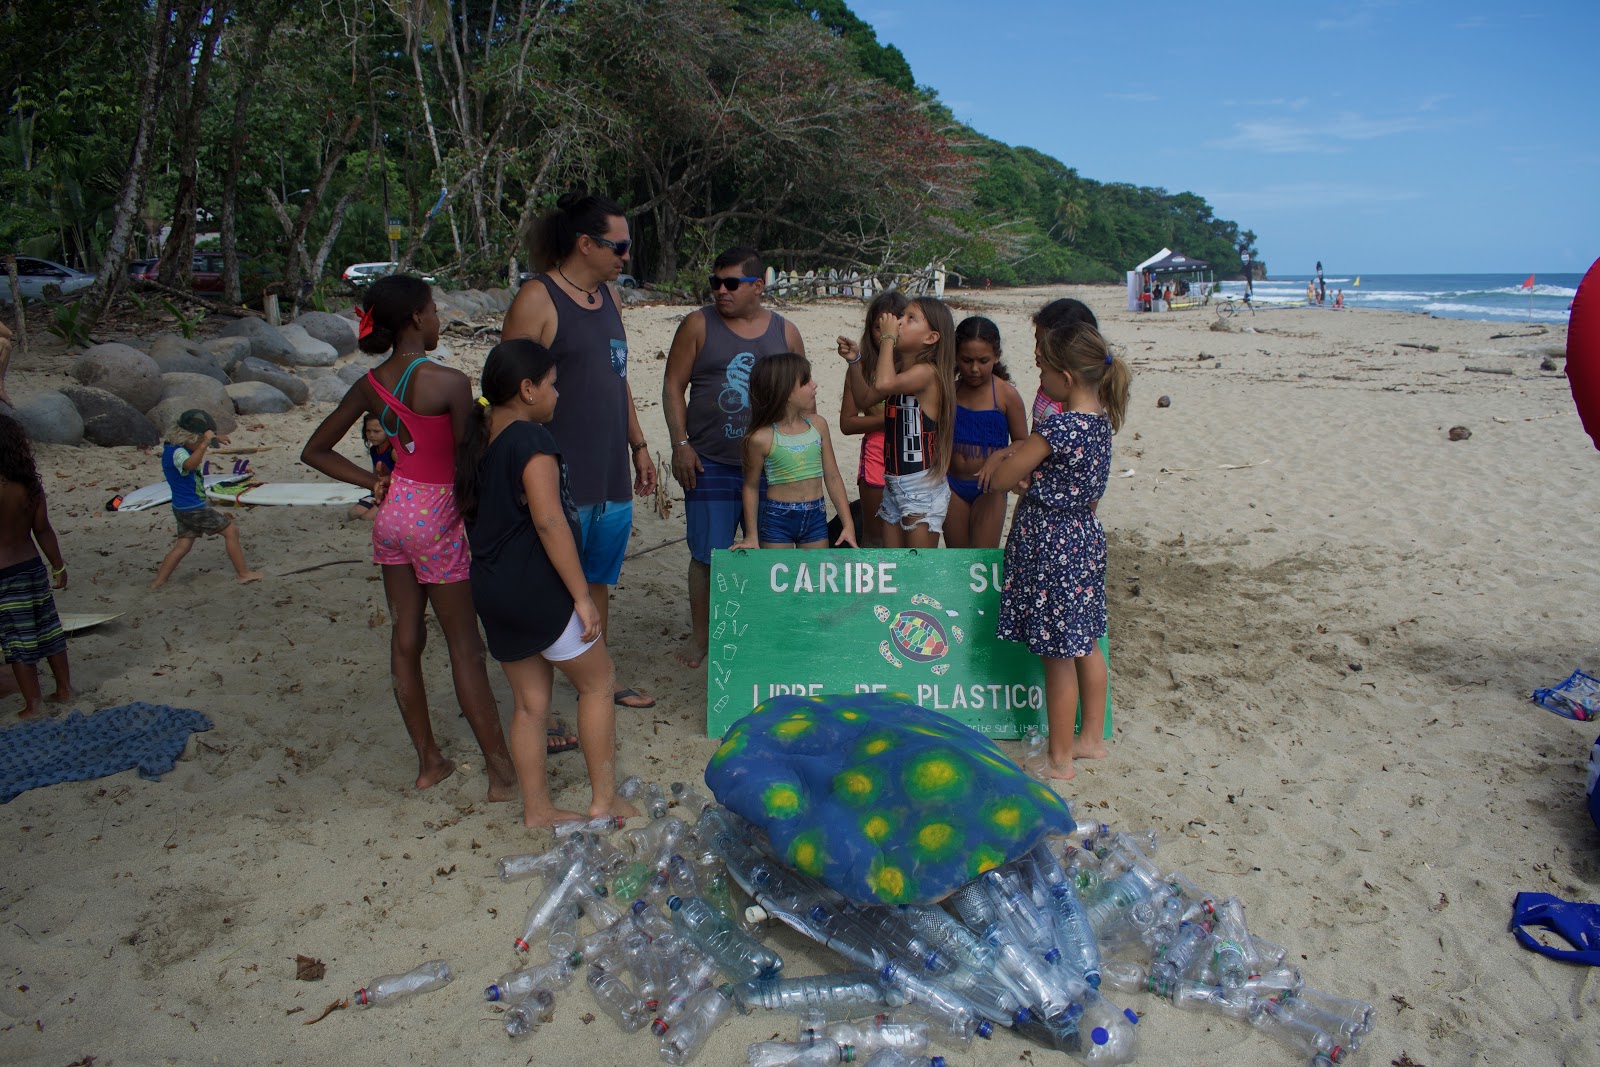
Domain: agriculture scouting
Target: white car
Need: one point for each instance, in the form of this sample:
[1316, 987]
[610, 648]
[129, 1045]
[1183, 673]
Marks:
[362, 274]
[34, 274]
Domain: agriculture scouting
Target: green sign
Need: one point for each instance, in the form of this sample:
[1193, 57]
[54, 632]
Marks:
[905, 621]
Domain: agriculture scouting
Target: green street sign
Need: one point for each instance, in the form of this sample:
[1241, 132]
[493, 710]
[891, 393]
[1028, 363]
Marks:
[916, 622]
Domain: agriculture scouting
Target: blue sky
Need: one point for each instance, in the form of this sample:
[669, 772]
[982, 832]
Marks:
[1378, 135]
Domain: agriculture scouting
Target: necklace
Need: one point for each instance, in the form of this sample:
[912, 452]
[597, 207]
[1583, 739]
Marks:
[592, 295]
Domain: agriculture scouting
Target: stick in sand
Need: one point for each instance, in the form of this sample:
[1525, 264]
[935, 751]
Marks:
[1218, 467]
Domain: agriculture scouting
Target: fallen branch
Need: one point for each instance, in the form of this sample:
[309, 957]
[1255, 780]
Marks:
[1425, 348]
[1218, 467]
[238, 311]
[1507, 371]
[1537, 331]
[1529, 418]
[652, 548]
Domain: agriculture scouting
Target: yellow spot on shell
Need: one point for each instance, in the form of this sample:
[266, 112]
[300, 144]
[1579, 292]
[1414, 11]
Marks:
[876, 827]
[793, 726]
[873, 748]
[889, 883]
[805, 853]
[781, 801]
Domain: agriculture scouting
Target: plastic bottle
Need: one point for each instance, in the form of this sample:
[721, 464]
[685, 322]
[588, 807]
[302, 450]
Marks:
[956, 1011]
[1193, 995]
[1035, 753]
[552, 974]
[720, 896]
[649, 974]
[628, 884]
[972, 903]
[1284, 1028]
[682, 1040]
[616, 999]
[736, 954]
[648, 918]
[879, 1032]
[516, 868]
[1015, 909]
[822, 1053]
[563, 935]
[528, 1014]
[1073, 934]
[685, 882]
[1175, 958]
[689, 973]
[545, 907]
[593, 944]
[653, 843]
[687, 798]
[389, 988]
[897, 937]
[600, 824]
[855, 991]
[655, 801]
[596, 904]
[949, 935]
[630, 786]
[1110, 1031]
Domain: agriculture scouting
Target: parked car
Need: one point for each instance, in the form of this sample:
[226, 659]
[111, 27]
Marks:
[205, 272]
[142, 269]
[360, 275]
[34, 274]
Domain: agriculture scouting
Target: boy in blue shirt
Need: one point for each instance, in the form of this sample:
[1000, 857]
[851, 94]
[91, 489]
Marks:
[182, 460]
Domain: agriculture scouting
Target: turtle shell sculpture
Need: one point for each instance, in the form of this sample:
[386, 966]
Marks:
[881, 799]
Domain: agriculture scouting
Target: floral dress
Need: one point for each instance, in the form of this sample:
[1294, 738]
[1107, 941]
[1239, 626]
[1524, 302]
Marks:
[1054, 594]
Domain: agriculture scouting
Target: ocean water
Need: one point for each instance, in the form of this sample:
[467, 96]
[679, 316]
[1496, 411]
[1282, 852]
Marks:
[1492, 297]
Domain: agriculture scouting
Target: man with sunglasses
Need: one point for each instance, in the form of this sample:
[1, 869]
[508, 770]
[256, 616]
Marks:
[711, 357]
[571, 309]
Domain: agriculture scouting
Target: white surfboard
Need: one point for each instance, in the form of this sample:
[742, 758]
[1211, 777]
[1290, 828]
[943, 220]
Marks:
[287, 493]
[151, 496]
[73, 621]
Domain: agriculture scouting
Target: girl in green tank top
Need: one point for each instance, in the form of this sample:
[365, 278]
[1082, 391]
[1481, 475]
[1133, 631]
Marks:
[788, 447]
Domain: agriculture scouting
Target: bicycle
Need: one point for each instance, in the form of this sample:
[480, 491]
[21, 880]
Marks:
[1227, 309]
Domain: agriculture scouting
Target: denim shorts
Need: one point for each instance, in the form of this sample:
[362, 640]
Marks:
[909, 499]
[799, 522]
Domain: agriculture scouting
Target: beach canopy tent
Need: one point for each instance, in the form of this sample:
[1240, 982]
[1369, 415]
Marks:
[1190, 279]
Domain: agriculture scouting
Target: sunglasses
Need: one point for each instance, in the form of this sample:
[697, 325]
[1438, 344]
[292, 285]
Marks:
[730, 284]
[619, 247]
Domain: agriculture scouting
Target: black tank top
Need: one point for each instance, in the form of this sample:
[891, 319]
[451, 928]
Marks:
[591, 420]
[907, 436]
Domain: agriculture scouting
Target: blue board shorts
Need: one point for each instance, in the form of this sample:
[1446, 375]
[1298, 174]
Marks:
[714, 508]
[604, 530]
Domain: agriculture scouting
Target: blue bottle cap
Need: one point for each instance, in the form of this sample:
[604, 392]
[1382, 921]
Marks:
[984, 1029]
[492, 993]
[673, 903]
[1093, 978]
[1053, 955]
[1024, 1017]
[937, 1061]
[639, 905]
[1099, 1035]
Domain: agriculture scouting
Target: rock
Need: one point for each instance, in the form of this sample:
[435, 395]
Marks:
[1164, 402]
[330, 329]
[193, 391]
[1204, 356]
[357, 369]
[51, 419]
[1459, 433]
[266, 342]
[1217, 365]
[122, 371]
[175, 355]
[1218, 326]
[109, 420]
[498, 300]
[259, 370]
[1548, 364]
[258, 398]
[329, 389]
[310, 351]
[228, 350]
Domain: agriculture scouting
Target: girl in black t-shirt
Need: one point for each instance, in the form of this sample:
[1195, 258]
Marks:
[528, 585]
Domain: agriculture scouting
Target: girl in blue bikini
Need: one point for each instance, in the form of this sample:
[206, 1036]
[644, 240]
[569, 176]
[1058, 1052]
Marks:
[789, 443]
[989, 416]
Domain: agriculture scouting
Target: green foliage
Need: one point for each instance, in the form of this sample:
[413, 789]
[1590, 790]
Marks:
[186, 323]
[71, 324]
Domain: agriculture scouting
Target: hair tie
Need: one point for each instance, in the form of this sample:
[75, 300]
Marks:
[484, 401]
[1108, 357]
[364, 320]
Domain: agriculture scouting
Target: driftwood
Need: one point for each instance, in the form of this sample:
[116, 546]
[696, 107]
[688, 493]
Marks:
[1425, 348]
[1537, 331]
[1508, 372]
[238, 311]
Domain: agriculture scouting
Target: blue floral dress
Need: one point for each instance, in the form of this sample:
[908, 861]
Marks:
[1054, 595]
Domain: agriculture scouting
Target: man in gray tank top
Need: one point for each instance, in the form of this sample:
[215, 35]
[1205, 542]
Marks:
[711, 358]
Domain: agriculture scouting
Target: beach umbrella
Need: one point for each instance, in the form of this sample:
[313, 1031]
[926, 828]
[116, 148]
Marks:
[1583, 352]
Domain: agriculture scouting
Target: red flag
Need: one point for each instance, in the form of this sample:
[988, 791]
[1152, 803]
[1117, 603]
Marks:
[1529, 283]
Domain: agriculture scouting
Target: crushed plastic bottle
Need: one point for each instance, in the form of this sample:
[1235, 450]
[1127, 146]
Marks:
[563, 937]
[853, 992]
[600, 824]
[544, 909]
[682, 1041]
[879, 1032]
[529, 1013]
[553, 974]
[820, 1053]
[893, 1057]
[624, 1006]
[736, 954]
[655, 801]
[390, 988]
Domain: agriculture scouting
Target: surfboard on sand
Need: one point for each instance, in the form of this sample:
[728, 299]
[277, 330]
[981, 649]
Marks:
[73, 621]
[286, 493]
[151, 496]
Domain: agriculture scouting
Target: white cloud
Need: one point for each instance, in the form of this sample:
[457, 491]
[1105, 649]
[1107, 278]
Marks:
[1135, 98]
[1330, 136]
[1310, 196]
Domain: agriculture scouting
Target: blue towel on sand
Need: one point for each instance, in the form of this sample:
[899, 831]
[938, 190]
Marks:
[150, 737]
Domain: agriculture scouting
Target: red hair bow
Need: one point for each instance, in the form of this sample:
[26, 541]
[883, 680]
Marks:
[364, 318]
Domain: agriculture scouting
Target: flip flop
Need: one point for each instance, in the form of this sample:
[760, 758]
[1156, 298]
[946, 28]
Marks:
[620, 699]
[555, 741]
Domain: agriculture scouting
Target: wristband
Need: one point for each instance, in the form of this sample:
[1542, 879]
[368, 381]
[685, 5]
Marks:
[853, 362]
[56, 572]
[641, 444]
[680, 444]
[892, 338]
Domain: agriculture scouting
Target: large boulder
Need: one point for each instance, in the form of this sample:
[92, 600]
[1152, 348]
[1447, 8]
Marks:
[335, 330]
[356, 369]
[177, 355]
[259, 398]
[228, 350]
[309, 352]
[122, 371]
[50, 419]
[329, 389]
[181, 392]
[266, 341]
[498, 300]
[259, 370]
[109, 420]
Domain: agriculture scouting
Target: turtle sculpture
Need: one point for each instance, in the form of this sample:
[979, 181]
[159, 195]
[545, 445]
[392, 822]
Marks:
[880, 798]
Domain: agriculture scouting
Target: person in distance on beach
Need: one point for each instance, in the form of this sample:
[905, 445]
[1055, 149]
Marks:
[712, 356]
[581, 248]
[417, 537]
[30, 629]
[1053, 598]
[528, 584]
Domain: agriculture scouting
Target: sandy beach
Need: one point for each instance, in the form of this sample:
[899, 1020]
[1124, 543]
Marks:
[1326, 619]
